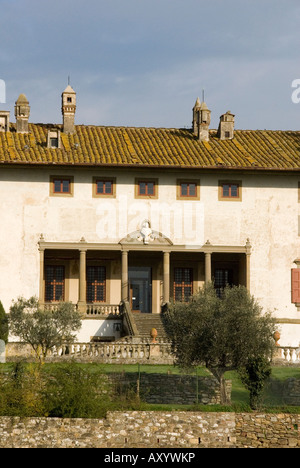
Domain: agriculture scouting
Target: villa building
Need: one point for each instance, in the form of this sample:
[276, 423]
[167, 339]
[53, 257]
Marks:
[106, 216]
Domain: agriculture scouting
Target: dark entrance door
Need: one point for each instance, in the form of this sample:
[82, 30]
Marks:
[140, 289]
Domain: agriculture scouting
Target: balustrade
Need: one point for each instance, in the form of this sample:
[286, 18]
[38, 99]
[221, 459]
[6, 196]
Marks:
[122, 351]
[103, 309]
[289, 354]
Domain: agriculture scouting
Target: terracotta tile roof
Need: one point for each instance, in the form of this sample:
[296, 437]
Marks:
[96, 145]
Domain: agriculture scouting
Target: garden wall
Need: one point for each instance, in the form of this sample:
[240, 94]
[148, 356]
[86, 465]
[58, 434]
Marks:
[138, 429]
[172, 389]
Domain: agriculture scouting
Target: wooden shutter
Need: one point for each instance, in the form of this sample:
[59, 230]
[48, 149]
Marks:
[296, 285]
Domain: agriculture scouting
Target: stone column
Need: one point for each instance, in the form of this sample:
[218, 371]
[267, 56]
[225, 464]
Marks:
[166, 284]
[207, 267]
[82, 280]
[41, 283]
[124, 279]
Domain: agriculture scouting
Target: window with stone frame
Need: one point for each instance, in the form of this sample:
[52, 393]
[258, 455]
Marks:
[54, 283]
[183, 284]
[95, 284]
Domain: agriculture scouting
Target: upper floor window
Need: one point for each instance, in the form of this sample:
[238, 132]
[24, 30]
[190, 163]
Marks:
[146, 188]
[61, 185]
[53, 142]
[230, 190]
[188, 189]
[104, 187]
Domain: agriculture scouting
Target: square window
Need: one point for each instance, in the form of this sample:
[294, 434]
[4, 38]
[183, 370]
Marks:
[61, 186]
[230, 190]
[188, 189]
[146, 188]
[54, 142]
[104, 187]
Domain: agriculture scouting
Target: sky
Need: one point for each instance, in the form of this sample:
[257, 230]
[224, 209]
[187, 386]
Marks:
[144, 62]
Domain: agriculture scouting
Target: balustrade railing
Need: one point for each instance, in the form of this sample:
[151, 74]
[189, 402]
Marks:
[119, 351]
[92, 310]
[288, 354]
[103, 309]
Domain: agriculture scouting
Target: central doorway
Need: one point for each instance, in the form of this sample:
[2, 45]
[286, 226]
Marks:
[140, 289]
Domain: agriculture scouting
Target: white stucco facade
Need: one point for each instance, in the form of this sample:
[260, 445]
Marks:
[267, 214]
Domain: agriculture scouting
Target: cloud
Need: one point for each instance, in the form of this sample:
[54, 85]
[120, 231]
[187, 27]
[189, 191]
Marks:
[144, 63]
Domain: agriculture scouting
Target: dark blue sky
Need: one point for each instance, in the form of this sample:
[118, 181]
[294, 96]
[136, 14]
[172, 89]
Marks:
[143, 63]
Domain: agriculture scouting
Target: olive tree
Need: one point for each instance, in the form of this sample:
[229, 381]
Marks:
[220, 333]
[41, 328]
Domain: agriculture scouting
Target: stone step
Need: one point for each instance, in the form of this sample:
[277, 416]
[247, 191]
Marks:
[145, 322]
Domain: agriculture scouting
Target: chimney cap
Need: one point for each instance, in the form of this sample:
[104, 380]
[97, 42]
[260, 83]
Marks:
[197, 103]
[69, 89]
[22, 99]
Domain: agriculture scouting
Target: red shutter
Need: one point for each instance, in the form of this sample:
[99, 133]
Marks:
[296, 285]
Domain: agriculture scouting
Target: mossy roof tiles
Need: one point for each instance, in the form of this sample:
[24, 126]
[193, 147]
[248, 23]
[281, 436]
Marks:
[154, 147]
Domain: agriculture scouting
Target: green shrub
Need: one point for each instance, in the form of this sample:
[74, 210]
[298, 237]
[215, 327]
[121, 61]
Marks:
[73, 392]
[254, 376]
[21, 392]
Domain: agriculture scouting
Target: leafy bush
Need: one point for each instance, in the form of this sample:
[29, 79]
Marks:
[73, 392]
[254, 376]
[21, 392]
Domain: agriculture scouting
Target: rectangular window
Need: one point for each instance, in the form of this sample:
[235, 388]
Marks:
[188, 189]
[96, 284]
[146, 188]
[53, 142]
[230, 190]
[223, 277]
[61, 186]
[183, 284]
[104, 187]
[295, 285]
[54, 283]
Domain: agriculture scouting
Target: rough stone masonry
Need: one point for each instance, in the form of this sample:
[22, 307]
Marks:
[149, 429]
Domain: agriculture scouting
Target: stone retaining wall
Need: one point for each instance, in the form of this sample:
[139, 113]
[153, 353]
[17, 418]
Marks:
[172, 389]
[138, 429]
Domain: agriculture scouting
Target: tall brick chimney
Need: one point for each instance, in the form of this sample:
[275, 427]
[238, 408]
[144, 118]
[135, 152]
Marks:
[68, 109]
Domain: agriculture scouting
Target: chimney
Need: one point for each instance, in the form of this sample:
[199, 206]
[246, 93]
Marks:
[226, 126]
[68, 109]
[201, 120]
[22, 112]
[196, 110]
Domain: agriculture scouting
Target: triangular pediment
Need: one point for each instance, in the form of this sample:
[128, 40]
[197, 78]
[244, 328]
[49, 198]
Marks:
[147, 236]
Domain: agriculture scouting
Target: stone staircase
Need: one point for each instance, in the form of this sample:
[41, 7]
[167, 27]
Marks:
[145, 322]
